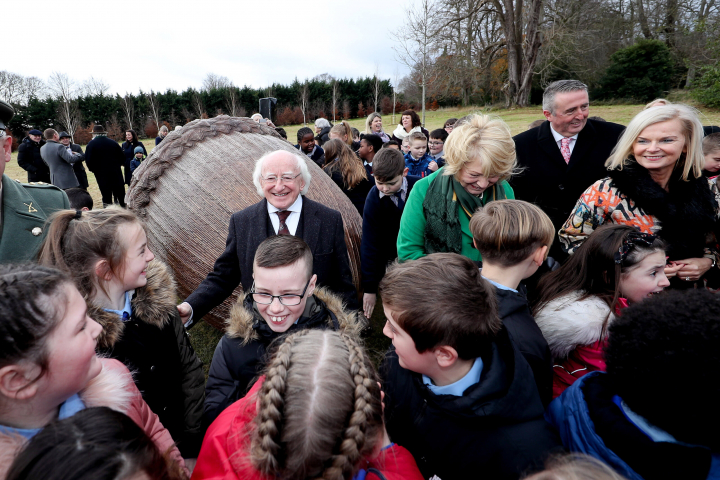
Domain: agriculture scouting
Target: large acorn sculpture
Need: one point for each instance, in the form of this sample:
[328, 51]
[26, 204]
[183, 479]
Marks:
[193, 181]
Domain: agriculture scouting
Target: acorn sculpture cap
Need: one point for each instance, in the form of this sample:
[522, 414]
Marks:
[7, 112]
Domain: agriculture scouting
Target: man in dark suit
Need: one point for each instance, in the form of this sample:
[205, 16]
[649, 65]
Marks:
[282, 178]
[563, 156]
[104, 157]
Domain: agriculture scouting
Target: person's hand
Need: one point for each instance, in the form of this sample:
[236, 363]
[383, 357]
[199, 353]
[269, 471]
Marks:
[433, 165]
[693, 268]
[270, 124]
[185, 310]
[672, 268]
[369, 300]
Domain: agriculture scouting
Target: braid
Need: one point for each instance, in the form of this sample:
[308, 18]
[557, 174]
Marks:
[360, 434]
[266, 451]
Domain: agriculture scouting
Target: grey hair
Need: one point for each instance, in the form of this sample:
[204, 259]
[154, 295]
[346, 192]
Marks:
[256, 115]
[163, 129]
[300, 164]
[322, 123]
[561, 86]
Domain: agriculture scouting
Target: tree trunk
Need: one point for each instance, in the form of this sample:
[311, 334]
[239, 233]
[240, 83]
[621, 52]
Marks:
[642, 19]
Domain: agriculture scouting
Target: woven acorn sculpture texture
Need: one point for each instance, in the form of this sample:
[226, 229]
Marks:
[193, 181]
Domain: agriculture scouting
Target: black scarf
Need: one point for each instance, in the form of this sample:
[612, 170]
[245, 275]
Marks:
[686, 211]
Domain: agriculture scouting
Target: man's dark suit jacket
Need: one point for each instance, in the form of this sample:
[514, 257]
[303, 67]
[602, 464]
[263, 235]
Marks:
[321, 228]
[548, 182]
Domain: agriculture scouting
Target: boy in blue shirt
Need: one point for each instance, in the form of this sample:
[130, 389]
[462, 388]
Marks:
[458, 393]
[417, 159]
[436, 145]
[381, 220]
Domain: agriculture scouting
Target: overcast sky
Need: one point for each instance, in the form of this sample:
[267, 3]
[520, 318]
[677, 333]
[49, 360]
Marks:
[134, 44]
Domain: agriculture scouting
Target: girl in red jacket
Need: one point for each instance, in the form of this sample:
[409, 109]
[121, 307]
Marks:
[617, 265]
[316, 413]
[48, 366]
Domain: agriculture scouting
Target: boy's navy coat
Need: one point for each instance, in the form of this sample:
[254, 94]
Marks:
[321, 228]
[381, 224]
[494, 430]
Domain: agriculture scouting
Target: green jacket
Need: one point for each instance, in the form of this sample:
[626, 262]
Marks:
[411, 239]
[25, 208]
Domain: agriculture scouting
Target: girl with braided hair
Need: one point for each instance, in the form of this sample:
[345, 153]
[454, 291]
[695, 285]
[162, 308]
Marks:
[48, 366]
[132, 296]
[315, 414]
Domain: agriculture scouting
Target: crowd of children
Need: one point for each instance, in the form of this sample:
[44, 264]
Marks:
[98, 378]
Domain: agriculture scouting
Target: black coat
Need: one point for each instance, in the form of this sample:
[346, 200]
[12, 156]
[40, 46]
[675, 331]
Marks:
[321, 228]
[29, 159]
[496, 429]
[154, 345]
[79, 167]
[323, 136]
[104, 158]
[527, 337]
[548, 182]
[358, 194]
[129, 152]
[240, 356]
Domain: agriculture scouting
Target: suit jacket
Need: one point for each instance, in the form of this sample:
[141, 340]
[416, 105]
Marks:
[321, 228]
[548, 182]
[104, 157]
[60, 160]
[25, 208]
[79, 167]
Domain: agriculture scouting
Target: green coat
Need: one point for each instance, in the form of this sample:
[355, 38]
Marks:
[411, 239]
[25, 207]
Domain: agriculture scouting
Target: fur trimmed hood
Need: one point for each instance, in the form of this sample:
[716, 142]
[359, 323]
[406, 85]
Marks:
[111, 388]
[240, 323]
[568, 322]
[154, 304]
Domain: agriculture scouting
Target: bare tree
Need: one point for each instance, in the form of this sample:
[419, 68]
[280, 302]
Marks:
[95, 87]
[395, 86]
[197, 105]
[128, 107]
[11, 86]
[34, 88]
[66, 92]
[304, 99]
[335, 92]
[154, 108]
[232, 102]
[376, 88]
[415, 45]
[215, 82]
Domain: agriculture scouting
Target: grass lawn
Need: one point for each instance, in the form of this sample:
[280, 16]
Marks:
[204, 337]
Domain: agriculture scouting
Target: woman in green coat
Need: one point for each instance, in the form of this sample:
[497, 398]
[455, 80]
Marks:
[480, 158]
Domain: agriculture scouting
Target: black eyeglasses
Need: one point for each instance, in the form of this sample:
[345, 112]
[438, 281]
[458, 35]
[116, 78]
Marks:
[289, 300]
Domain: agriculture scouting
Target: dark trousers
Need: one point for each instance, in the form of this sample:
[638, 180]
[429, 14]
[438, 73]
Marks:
[110, 188]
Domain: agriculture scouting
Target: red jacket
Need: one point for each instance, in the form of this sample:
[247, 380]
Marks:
[225, 449]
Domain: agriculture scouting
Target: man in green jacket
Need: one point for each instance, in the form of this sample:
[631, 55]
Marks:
[24, 208]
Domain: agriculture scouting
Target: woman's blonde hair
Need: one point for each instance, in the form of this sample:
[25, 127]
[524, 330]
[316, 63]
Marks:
[576, 466]
[369, 121]
[343, 128]
[339, 157]
[692, 130]
[319, 411]
[485, 138]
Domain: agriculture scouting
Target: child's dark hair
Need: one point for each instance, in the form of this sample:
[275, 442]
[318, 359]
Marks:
[439, 134]
[593, 269]
[388, 164]
[94, 444]
[449, 122]
[32, 302]
[302, 132]
[319, 411]
[711, 143]
[461, 313]
[374, 141]
[76, 241]
[79, 198]
[282, 250]
[355, 132]
[388, 144]
[281, 131]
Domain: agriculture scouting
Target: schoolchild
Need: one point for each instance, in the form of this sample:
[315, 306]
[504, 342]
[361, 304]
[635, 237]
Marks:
[134, 298]
[282, 300]
[370, 145]
[617, 265]
[459, 394]
[381, 221]
[405, 145]
[96, 443]
[436, 145]
[137, 160]
[315, 413]
[711, 152]
[48, 366]
[79, 198]
[513, 238]
[306, 144]
[417, 159]
[391, 144]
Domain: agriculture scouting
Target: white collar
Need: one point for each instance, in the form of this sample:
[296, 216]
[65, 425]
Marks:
[402, 190]
[295, 207]
[559, 137]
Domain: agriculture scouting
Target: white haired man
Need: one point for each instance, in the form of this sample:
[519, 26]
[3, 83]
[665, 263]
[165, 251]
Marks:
[283, 179]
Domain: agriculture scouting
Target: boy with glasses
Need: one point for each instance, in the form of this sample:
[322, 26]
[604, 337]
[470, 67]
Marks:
[283, 299]
[436, 146]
